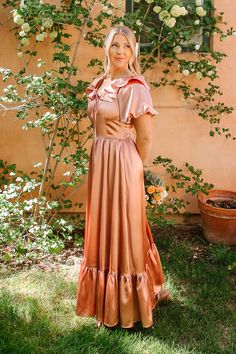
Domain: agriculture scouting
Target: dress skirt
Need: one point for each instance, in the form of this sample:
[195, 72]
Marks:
[121, 273]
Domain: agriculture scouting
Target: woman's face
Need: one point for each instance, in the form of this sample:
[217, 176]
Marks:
[120, 52]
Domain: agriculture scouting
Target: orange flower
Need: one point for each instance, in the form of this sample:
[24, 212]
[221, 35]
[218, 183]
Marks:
[157, 198]
[159, 189]
[151, 189]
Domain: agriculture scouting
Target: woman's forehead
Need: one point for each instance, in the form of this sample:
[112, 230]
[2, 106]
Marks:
[119, 37]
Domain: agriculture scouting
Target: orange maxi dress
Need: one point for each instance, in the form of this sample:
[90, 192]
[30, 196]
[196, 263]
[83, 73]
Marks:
[121, 273]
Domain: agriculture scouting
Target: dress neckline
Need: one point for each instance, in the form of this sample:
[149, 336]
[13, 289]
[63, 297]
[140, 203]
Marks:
[108, 79]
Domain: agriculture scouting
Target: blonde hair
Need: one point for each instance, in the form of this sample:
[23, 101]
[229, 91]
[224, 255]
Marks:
[129, 34]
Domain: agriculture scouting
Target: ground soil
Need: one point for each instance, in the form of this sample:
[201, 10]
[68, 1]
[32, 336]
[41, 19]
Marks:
[73, 254]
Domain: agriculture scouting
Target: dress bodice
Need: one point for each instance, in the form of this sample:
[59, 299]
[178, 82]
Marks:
[113, 103]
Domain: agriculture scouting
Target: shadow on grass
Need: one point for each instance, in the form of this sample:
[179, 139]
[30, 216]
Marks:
[199, 319]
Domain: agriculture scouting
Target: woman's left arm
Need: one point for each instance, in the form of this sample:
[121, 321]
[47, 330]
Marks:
[143, 127]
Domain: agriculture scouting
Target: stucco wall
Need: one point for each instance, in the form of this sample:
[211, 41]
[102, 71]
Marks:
[179, 133]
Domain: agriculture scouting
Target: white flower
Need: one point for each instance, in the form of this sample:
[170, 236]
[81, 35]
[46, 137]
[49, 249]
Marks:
[198, 2]
[25, 27]
[198, 75]
[47, 22]
[157, 9]
[196, 22]
[184, 11]
[53, 34]
[146, 196]
[19, 179]
[136, 1]
[163, 194]
[149, 1]
[4, 213]
[177, 49]
[197, 47]
[105, 8]
[209, 73]
[37, 164]
[200, 11]
[176, 11]
[66, 173]
[22, 34]
[164, 15]
[12, 174]
[25, 42]
[153, 201]
[170, 22]
[109, 12]
[40, 37]
[234, 33]
[18, 20]
[22, 4]
[14, 12]
[139, 23]
[186, 72]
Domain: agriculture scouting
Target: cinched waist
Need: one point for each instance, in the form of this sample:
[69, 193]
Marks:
[102, 137]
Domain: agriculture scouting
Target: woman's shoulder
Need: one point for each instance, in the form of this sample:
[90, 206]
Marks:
[93, 86]
[95, 82]
[131, 81]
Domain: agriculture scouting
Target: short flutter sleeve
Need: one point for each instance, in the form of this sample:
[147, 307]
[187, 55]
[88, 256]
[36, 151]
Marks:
[135, 100]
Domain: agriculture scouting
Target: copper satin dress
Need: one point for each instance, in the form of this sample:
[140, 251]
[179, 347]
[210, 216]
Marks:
[121, 272]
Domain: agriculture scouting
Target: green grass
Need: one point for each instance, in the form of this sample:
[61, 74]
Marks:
[37, 308]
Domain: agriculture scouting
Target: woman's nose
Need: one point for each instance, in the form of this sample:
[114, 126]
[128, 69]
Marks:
[120, 50]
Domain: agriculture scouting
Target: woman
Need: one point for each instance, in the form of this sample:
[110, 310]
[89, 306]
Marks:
[121, 278]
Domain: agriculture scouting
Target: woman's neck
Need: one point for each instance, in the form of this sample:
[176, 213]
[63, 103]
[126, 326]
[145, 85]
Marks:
[116, 74]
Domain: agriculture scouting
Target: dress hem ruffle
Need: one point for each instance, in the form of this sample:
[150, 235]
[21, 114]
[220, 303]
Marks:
[120, 298]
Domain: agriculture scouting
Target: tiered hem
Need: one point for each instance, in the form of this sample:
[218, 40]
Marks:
[120, 298]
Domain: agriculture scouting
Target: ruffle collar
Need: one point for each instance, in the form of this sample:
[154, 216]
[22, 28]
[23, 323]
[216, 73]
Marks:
[110, 89]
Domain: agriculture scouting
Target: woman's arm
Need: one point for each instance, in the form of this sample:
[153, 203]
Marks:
[143, 127]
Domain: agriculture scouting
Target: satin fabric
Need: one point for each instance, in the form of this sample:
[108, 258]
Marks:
[121, 272]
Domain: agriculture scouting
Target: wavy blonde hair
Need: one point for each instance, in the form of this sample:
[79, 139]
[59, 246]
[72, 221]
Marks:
[133, 64]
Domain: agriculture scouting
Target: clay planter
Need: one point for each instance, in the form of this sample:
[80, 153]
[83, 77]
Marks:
[219, 224]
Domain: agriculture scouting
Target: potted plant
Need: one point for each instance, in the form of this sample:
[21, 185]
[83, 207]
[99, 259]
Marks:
[218, 212]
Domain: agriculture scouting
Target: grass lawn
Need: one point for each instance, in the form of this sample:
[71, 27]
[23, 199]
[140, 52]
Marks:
[37, 306]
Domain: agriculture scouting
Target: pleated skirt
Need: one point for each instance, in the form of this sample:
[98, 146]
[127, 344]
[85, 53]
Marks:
[121, 272]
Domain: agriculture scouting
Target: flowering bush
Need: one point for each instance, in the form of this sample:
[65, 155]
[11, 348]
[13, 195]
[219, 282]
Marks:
[159, 203]
[155, 190]
[20, 232]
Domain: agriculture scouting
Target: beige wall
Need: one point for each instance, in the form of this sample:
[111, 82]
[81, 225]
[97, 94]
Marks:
[179, 133]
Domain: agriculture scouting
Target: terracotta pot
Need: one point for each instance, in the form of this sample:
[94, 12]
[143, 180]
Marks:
[219, 224]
